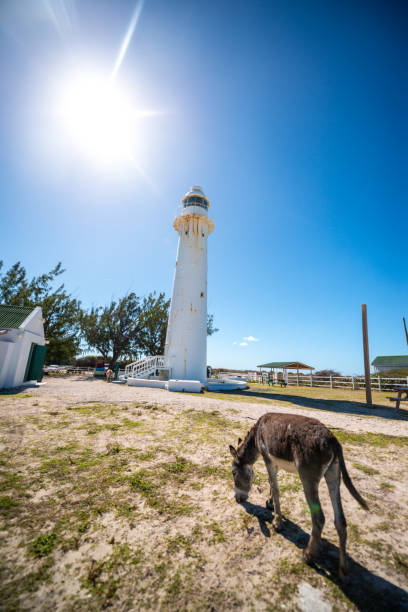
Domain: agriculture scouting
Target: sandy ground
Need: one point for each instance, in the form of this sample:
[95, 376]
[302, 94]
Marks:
[122, 497]
[91, 390]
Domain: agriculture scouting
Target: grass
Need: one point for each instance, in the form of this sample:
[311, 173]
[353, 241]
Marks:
[368, 438]
[4, 394]
[366, 469]
[43, 545]
[304, 396]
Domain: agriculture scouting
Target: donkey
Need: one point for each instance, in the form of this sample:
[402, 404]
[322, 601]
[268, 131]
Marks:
[300, 445]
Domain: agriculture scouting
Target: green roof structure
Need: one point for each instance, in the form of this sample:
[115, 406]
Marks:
[11, 317]
[286, 365]
[395, 361]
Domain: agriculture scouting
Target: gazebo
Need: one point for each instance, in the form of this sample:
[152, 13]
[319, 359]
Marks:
[274, 366]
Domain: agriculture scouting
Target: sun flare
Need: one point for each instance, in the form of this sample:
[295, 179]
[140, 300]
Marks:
[98, 118]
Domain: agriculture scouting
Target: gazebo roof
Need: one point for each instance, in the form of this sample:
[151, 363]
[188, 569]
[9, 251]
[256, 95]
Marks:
[286, 365]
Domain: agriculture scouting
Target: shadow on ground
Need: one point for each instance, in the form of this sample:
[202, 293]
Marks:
[331, 405]
[366, 590]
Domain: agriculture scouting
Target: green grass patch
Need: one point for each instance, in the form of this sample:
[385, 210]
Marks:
[131, 424]
[373, 439]
[366, 469]
[43, 545]
[95, 409]
[401, 563]
[10, 480]
[5, 395]
[8, 505]
[218, 534]
[386, 485]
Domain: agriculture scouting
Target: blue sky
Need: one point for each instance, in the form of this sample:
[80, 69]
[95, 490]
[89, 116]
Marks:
[293, 118]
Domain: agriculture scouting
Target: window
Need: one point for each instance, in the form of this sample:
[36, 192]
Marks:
[195, 201]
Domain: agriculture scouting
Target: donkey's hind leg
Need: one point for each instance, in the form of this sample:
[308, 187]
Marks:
[273, 502]
[311, 488]
[332, 477]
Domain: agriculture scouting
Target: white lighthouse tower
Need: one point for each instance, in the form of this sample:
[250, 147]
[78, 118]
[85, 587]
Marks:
[186, 339]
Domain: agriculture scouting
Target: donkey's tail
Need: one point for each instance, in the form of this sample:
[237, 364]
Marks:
[347, 480]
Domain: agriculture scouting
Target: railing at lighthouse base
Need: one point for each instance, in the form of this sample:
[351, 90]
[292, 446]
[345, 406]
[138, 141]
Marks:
[155, 372]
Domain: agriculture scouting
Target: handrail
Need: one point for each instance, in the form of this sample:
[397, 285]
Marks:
[145, 366]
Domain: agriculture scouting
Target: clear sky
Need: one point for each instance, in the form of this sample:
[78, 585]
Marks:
[292, 116]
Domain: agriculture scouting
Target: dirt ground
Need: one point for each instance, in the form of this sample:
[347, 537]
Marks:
[122, 497]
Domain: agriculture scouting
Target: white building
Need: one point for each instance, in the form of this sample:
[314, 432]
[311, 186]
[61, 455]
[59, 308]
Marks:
[22, 345]
[186, 339]
[383, 363]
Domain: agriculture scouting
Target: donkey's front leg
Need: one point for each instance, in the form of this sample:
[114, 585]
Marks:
[311, 489]
[273, 481]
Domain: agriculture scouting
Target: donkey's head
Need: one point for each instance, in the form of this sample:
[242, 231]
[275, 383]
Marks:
[243, 474]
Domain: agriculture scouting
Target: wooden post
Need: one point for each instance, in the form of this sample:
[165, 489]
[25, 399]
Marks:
[366, 356]
[379, 383]
[331, 381]
[352, 382]
[297, 377]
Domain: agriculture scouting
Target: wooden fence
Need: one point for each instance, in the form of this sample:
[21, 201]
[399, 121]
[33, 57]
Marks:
[345, 382]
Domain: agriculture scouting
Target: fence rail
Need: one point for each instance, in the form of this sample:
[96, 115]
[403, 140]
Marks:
[346, 382]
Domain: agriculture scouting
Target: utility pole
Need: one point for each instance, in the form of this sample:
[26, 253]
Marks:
[366, 356]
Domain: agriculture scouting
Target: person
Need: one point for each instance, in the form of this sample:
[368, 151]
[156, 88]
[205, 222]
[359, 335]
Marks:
[109, 375]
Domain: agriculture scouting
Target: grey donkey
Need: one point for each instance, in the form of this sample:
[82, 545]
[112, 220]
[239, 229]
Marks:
[300, 445]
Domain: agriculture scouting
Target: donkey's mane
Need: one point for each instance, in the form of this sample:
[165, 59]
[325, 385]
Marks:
[244, 441]
[246, 450]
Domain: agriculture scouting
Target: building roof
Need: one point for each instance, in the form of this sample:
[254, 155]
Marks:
[397, 361]
[11, 317]
[286, 365]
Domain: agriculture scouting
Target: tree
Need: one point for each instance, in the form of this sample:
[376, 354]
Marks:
[154, 317]
[61, 312]
[129, 327]
[210, 325]
[114, 330]
[327, 373]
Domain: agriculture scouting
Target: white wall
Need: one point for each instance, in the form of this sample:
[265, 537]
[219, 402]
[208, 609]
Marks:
[15, 349]
[186, 339]
[385, 368]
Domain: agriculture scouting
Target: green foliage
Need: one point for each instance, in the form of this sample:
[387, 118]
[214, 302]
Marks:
[128, 327]
[61, 312]
[154, 316]
[401, 373]
[210, 325]
[327, 373]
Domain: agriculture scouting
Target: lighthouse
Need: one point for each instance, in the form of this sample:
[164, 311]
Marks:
[186, 338]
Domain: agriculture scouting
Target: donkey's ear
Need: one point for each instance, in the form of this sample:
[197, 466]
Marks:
[239, 441]
[233, 452]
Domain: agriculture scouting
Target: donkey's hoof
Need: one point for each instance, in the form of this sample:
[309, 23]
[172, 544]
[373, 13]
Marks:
[277, 524]
[308, 557]
[269, 504]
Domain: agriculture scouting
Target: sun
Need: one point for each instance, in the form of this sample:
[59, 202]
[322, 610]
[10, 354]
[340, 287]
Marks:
[98, 118]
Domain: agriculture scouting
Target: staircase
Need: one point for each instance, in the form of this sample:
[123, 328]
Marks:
[146, 367]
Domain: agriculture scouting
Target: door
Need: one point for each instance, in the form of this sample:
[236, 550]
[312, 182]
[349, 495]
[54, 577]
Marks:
[35, 363]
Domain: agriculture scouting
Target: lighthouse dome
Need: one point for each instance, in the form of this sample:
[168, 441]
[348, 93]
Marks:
[195, 197]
